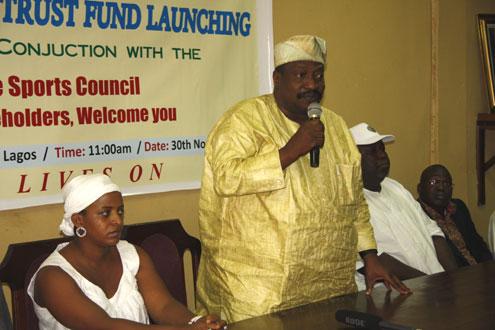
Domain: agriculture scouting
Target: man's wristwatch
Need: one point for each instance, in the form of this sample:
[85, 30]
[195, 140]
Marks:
[365, 252]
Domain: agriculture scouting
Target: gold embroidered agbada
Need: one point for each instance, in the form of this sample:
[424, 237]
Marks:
[276, 239]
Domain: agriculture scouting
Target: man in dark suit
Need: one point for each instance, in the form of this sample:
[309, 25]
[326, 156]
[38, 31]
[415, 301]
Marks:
[452, 216]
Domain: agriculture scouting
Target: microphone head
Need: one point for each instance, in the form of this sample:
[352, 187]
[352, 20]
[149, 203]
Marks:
[358, 319]
[314, 110]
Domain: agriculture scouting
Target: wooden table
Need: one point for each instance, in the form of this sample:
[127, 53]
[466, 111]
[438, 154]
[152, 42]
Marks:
[460, 299]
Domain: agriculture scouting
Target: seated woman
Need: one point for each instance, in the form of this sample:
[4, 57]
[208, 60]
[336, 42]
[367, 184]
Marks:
[97, 281]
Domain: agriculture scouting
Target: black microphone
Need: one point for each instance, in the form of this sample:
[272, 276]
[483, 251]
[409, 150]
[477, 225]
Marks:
[314, 113]
[367, 321]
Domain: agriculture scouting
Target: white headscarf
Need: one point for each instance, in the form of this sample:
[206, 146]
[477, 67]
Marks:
[81, 192]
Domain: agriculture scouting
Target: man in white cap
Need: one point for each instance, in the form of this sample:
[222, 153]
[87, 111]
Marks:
[409, 243]
[277, 233]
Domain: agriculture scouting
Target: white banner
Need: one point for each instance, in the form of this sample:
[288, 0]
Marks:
[130, 89]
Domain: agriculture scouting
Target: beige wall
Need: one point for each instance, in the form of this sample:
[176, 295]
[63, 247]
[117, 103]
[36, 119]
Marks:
[379, 72]
[42, 222]
[462, 95]
[378, 68]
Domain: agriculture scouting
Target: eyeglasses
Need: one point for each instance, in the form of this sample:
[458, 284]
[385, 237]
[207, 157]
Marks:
[436, 183]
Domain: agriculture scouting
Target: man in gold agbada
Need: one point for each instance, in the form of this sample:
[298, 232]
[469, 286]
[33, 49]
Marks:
[277, 233]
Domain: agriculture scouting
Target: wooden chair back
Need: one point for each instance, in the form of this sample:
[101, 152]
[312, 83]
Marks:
[166, 241]
[5, 319]
[18, 266]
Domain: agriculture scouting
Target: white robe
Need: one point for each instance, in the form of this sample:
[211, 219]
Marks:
[402, 229]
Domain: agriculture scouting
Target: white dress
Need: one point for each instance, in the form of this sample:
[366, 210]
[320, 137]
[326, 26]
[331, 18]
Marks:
[127, 303]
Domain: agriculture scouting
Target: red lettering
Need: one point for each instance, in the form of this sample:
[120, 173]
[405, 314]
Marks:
[63, 181]
[132, 175]
[154, 169]
[21, 186]
[45, 180]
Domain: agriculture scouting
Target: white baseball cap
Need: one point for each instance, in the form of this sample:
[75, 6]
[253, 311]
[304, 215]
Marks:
[364, 134]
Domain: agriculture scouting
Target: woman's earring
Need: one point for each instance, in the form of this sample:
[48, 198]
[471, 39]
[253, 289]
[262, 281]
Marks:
[81, 232]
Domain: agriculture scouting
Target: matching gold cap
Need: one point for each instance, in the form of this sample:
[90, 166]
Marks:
[301, 48]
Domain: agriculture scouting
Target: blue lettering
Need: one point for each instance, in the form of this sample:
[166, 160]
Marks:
[23, 8]
[90, 12]
[37, 13]
[184, 20]
[7, 18]
[132, 10]
[213, 22]
[58, 15]
[40, 12]
[151, 26]
[123, 16]
[245, 27]
[176, 27]
[189, 19]
[202, 28]
[164, 20]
